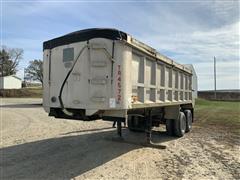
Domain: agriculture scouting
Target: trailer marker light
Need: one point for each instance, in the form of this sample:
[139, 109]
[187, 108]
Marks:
[53, 99]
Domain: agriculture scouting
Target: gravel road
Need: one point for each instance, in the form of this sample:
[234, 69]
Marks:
[35, 146]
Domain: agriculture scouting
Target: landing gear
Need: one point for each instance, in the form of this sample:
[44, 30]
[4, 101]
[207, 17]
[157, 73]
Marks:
[147, 124]
[119, 128]
[142, 123]
[149, 127]
[148, 130]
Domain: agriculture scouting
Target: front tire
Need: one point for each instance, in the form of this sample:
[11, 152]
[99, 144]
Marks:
[180, 125]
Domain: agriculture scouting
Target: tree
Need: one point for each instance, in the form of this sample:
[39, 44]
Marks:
[35, 70]
[9, 60]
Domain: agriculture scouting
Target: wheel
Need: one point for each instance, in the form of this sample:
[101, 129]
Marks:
[169, 126]
[188, 115]
[136, 124]
[130, 123]
[180, 125]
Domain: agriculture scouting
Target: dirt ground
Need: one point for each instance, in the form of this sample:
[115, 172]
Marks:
[35, 146]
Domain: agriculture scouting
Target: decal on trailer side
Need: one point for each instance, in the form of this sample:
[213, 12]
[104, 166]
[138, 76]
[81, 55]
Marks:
[119, 90]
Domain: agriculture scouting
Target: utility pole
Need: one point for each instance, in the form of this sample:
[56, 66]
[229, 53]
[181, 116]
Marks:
[215, 81]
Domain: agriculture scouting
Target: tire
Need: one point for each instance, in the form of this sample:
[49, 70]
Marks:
[180, 125]
[136, 124]
[189, 120]
[170, 127]
[130, 124]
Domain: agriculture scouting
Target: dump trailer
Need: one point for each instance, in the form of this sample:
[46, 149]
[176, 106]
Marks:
[107, 74]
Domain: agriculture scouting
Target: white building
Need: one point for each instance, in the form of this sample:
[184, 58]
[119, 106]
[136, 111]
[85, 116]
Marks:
[10, 82]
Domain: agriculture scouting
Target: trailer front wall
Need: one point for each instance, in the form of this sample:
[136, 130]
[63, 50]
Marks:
[99, 79]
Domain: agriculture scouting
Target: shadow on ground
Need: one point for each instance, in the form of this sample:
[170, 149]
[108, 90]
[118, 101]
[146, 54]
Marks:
[87, 130]
[68, 156]
[21, 105]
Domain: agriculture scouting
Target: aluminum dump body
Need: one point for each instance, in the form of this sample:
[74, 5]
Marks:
[108, 72]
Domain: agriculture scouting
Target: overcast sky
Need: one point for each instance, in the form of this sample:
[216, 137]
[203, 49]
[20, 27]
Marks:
[190, 32]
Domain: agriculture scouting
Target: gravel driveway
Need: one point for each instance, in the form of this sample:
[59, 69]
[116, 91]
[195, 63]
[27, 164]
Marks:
[35, 146]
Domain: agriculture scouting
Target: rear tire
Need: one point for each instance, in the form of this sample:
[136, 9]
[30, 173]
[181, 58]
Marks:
[189, 118]
[170, 127]
[180, 125]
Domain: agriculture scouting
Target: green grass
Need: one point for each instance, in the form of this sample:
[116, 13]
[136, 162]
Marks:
[33, 92]
[218, 113]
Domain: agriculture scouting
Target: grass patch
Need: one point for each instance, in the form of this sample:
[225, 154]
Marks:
[34, 92]
[218, 113]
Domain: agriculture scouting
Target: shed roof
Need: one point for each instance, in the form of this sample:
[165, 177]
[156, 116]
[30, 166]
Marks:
[12, 76]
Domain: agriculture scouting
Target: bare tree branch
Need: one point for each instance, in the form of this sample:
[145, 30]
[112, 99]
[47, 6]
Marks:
[35, 70]
[10, 58]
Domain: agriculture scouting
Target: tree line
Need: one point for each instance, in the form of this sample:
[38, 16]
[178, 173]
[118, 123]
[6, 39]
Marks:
[9, 64]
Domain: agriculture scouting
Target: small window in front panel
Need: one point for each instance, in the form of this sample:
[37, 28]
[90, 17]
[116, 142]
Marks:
[68, 54]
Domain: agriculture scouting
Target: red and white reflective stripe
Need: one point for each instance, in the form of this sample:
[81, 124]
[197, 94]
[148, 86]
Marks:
[119, 90]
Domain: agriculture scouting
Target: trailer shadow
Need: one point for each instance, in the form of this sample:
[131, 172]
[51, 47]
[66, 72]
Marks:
[158, 137]
[34, 105]
[162, 136]
[87, 130]
[63, 157]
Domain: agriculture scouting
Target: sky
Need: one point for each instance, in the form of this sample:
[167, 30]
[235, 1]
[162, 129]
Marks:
[190, 32]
